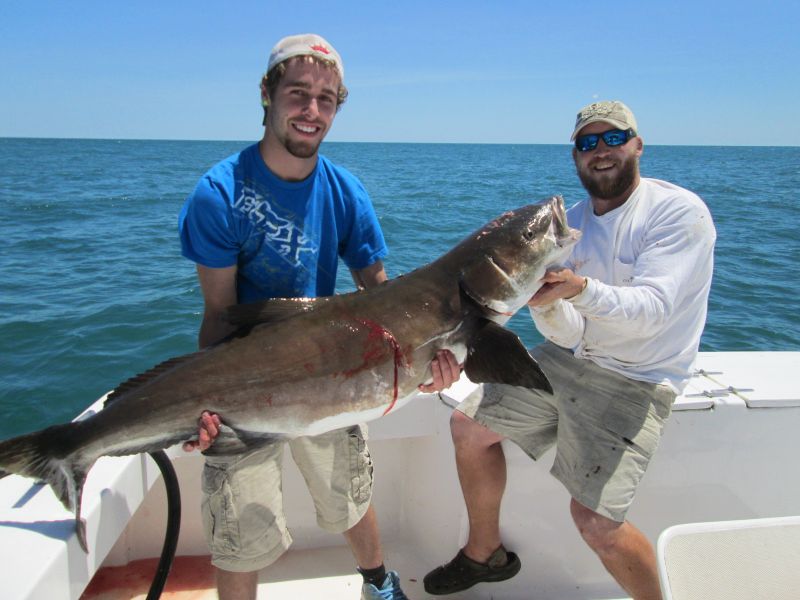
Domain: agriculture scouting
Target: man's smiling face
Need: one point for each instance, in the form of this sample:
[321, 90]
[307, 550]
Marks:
[303, 106]
[606, 172]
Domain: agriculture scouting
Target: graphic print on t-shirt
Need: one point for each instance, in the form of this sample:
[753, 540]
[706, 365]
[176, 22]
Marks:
[282, 235]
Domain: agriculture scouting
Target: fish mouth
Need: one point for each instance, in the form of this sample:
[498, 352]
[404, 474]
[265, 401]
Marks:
[565, 235]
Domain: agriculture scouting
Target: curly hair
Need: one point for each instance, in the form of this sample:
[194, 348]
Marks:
[270, 81]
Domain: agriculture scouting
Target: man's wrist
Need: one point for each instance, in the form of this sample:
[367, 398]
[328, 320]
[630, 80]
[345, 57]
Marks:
[583, 289]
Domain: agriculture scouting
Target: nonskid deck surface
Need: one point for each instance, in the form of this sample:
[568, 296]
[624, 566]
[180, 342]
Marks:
[191, 578]
[320, 573]
[324, 573]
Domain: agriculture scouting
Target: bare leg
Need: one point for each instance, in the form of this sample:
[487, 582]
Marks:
[236, 586]
[482, 473]
[365, 542]
[623, 550]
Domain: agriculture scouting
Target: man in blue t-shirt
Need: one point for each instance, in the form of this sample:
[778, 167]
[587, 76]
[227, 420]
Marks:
[272, 221]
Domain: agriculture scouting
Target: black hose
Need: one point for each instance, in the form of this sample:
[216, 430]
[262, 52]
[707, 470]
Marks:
[173, 524]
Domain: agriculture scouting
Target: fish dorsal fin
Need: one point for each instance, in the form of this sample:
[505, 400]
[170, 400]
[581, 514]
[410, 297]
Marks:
[269, 311]
[149, 375]
[496, 355]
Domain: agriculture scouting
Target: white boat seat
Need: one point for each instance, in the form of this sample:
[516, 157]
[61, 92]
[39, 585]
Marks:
[753, 559]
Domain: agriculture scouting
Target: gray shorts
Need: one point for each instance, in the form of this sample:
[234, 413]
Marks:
[605, 426]
[242, 504]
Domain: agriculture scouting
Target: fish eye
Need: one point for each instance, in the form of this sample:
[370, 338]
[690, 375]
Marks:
[528, 234]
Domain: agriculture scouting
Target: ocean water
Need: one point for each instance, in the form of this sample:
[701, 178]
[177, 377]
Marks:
[93, 288]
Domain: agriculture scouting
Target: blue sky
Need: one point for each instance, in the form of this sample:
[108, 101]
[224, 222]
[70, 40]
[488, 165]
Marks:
[694, 72]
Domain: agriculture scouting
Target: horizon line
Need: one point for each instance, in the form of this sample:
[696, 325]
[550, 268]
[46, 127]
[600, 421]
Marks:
[252, 141]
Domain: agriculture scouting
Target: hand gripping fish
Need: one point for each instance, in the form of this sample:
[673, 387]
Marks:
[305, 366]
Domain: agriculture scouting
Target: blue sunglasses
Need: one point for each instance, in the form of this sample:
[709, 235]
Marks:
[612, 137]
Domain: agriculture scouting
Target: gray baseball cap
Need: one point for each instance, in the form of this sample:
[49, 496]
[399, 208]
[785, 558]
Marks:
[607, 111]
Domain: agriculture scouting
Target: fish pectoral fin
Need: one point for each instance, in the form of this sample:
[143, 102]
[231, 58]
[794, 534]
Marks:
[236, 441]
[496, 355]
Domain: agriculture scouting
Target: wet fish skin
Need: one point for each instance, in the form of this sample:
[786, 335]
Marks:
[305, 366]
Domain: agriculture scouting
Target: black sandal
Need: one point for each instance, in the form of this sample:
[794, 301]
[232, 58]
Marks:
[462, 572]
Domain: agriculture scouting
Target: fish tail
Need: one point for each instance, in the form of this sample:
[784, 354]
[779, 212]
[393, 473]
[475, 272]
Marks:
[46, 456]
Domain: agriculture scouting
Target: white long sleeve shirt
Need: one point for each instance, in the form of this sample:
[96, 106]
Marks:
[649, 264]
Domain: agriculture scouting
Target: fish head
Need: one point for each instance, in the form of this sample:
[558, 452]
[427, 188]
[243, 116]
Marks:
[507, 258]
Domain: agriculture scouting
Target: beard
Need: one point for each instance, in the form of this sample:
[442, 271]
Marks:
[301, 149]
[297, 148]
[604, 187]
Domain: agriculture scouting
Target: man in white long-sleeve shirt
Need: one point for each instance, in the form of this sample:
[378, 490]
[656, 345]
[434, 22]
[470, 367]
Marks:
[623, 320]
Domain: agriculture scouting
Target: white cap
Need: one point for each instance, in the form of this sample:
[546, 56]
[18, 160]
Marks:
[305, 44]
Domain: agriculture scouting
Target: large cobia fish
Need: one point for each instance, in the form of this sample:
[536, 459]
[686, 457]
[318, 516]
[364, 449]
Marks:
[306, 366]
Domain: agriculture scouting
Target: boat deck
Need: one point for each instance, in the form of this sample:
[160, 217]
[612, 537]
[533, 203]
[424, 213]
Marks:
[311, 574]
[314, 573]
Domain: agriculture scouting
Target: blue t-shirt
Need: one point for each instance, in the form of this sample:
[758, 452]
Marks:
[285, 237]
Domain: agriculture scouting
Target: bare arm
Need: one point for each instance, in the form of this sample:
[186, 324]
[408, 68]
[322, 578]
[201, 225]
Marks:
[369, 276]
[219, 292]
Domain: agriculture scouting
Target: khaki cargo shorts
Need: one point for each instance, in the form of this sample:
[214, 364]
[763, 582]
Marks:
[605, 426]
[242, 503]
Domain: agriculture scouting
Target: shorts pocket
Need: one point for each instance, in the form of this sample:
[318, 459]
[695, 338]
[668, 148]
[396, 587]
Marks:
[360, 467]
[217, 507]
[635, 423]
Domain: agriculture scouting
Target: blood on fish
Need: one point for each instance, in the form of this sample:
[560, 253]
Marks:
[374, 349]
